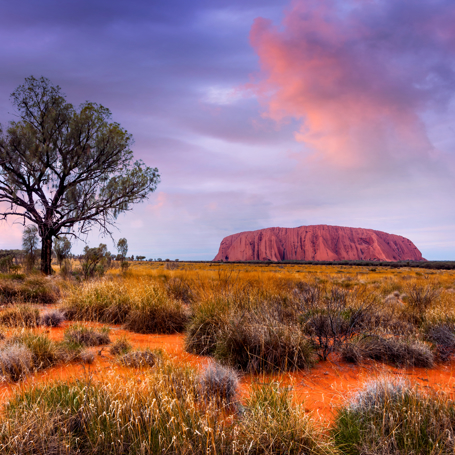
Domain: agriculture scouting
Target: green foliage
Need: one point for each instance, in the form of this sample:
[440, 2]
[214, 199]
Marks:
[80, 153]
[30, 244]
[94, 261]
[122, 248]
[6, 264]
[62, 248]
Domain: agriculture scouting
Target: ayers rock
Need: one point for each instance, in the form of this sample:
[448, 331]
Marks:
[317, 243]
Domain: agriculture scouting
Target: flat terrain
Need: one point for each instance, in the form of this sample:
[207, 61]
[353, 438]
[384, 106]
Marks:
[190, 315]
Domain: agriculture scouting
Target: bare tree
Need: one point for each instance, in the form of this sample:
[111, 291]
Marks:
[67, 170]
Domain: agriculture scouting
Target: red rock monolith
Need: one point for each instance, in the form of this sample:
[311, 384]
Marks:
[317, 243]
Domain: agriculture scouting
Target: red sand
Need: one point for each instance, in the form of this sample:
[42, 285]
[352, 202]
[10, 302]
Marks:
[320, 389]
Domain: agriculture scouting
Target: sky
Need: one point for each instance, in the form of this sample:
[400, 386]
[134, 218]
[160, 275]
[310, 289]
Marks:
[258, 113]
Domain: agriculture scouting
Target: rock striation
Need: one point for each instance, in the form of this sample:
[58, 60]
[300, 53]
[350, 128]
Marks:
[317, 243]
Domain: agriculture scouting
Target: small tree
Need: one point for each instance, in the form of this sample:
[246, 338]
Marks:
[92, 262]
[66, 169]
[29, 245]
[140, 258]
[122, 248]
[62, 248]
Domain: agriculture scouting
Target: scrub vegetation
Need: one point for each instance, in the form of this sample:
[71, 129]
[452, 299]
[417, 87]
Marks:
[254, 320]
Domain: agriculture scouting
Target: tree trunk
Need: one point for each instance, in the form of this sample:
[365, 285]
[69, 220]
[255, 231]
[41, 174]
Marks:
[46, 255]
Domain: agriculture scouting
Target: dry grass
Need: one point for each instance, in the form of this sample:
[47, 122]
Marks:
[389, 417]
[86, 336]
[19, 316]
[395, 351]
[141, 307]
[162, 413]
[139, 359]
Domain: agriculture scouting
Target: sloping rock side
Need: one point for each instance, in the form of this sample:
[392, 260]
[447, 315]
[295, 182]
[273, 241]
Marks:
[317, 243]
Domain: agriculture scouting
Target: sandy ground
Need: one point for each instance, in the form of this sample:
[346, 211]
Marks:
[320, 389]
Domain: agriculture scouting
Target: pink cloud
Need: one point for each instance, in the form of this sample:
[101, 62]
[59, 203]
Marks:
[359, 76]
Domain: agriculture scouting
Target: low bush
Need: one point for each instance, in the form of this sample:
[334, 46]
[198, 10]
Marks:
[157, 313]
[45, 352]
[16, 361]
[120, 346]
[142, 309]
[252, 345]
[443, 337]
[19, 316]
[420, 298]
[202, 330]
[52, 318]
[29, 290]
[86, 336]
[179, 289]
[389, 350]
[389, 417]
[219, 383]
[101, 301]
[86, 356]
[138, 359]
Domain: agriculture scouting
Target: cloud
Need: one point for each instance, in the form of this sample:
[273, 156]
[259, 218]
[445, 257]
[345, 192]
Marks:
[359, 76]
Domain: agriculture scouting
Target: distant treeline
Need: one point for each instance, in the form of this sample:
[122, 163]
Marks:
[434, 265]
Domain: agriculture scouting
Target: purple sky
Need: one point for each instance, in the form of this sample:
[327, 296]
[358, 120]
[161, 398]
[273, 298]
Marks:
[260, 113]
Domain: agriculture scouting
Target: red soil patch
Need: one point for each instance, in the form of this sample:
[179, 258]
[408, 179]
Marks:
[321, 389]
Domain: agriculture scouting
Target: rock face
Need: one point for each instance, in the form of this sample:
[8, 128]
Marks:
[317, 243]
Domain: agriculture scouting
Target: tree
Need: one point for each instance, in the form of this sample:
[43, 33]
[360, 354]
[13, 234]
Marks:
[62, 248]
[30, 244]
[93, 260]
[122, 248]
[67, 170]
